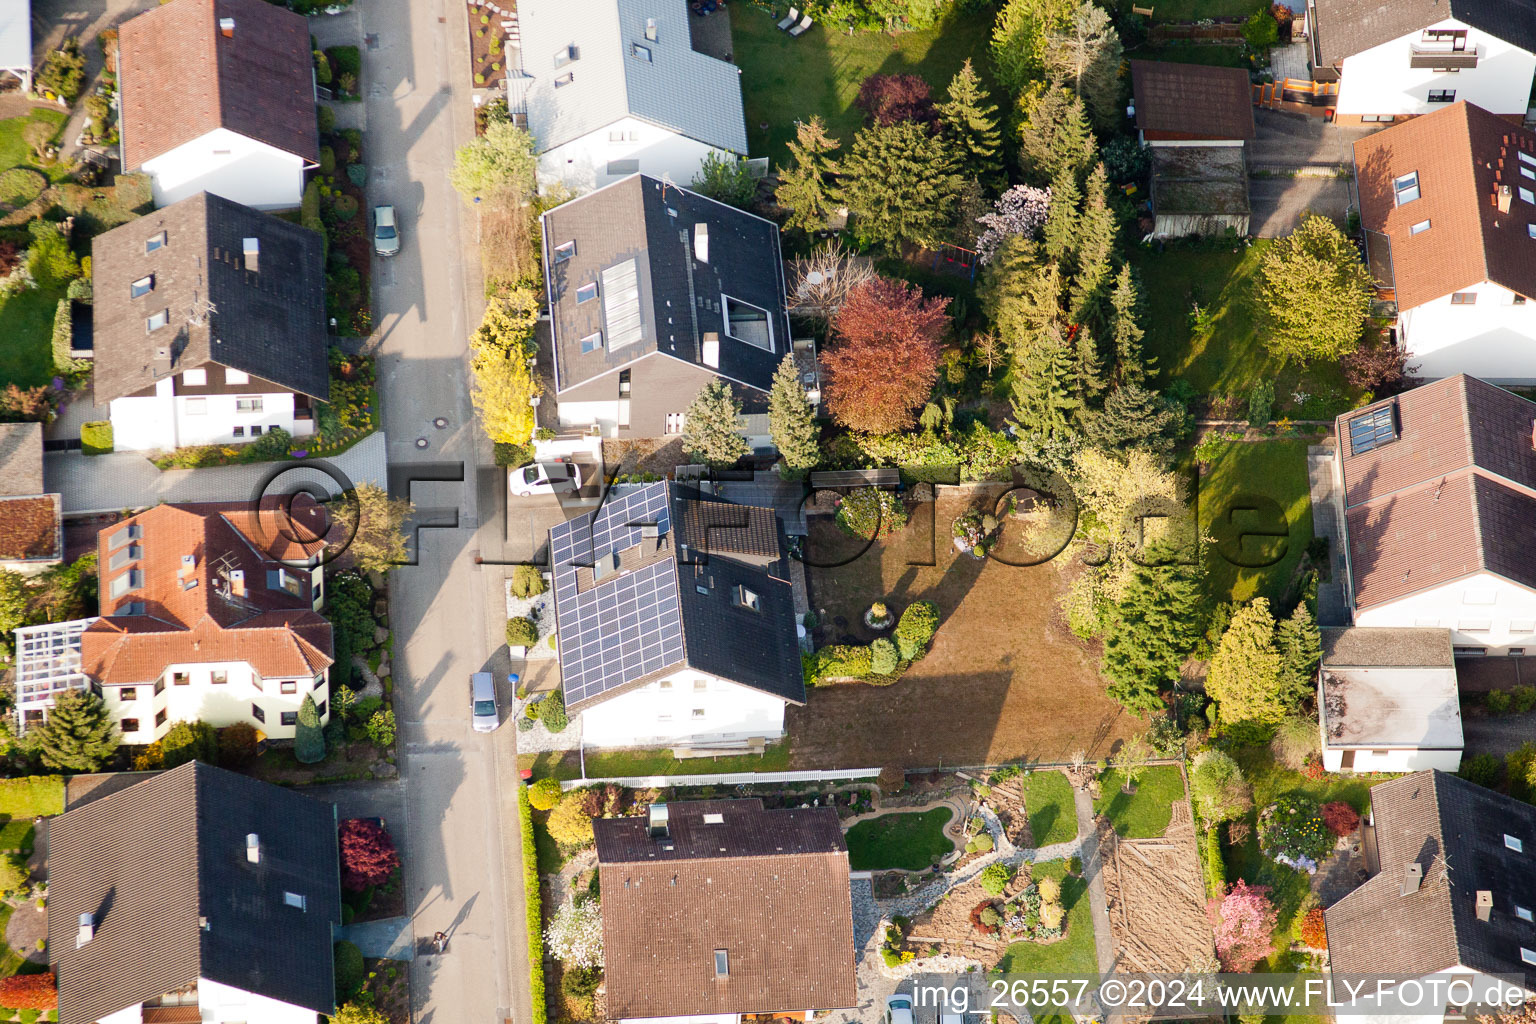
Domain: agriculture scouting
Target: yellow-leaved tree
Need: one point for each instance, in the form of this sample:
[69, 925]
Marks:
[504, 383]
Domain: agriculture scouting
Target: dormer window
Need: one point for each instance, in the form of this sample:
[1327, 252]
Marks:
[565, 55]
[1406, 187]
[741, 597]
[155, 242]
[143, 286]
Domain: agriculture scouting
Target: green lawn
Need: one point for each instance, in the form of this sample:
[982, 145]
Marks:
[26, 358]
[786, 79]
[1048, 802]
[14, 150]
[17, 836]
[1073, 953]
[31, 797]
[913, 840]
[1192, 10]
[1246, 475]
[1229, 358]
[621, 763]
[1145, 813]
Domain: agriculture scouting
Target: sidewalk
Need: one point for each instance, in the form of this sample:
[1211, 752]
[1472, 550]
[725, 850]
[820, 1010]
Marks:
[125, 480]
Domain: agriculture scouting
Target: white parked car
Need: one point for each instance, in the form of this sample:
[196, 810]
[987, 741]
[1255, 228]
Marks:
[898, 1009]
[559, 477]
[485, 716]
[386, 233]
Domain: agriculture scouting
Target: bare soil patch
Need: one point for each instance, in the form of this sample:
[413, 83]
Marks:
[949, 926]
[1156, 897]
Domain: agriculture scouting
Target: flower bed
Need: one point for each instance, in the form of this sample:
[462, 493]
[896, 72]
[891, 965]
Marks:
[870, 513]
[488, 43]
[1292, 832]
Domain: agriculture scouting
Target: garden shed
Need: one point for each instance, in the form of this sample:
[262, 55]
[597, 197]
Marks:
[1199, 190]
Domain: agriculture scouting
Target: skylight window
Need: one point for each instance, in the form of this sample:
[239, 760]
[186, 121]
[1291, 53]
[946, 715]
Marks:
[565, 79]
[592, 342]
[157, 320]
[564, 251]
[1372, 430]
[1406, 187]
[723, 963]
[565, 55]
[1527, 158]
[741, 597]
[1527, 955]
[1419, 228]
[143, 286]
[640, 52]
[1523, 913]
[714, 819]
[1530, 229]
[621, 308]
[294, 899]
[1514, 844]
[154, 242]
[1528, 195]
[587, 292]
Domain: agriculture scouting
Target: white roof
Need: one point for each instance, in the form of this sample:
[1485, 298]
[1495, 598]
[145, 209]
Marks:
[1391, 706]
[679, 89]
[15, 34]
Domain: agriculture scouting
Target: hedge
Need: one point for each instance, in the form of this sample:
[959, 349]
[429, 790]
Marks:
[918, 624]
[535, 923]
[1215, 870]
[843, 660]
[63, 338]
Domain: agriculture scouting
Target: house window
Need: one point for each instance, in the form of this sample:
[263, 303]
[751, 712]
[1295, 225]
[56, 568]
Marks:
[1527, 172]
[1372, 430]
[1513, 843]
[616, 136]
[194, 378]
[722, 964]
[673, 424]
[700, 684]
[624, 382]
[294, 899]
[1474, 625]
[218, 677]
[1527, 955]
[320, 709]
[157, 320]
[289, 687]
[1530, 230]
[236, 376]
[127, 693]
[665, 684]
[1526, 158]
[130, 580]
[564, 251]
[1516, 652]
[1469, 651]
[1406, 187]
[154, 242]
[255, 431]
[239, 431]
[1519, 300]
[195, 406]
[592, 342]
[698, 712]
[1527, 195]
[159, 686]
[160, 718]
[640, 52]
[1442, 95]
[586, 293]
[129, 725]
[565, 79]
[1523, 913]
[257, 713]
[143, 286]
[289, 717]
[1463, 298]
[250, 405]
[180, 679]
[565, 55]
[1522, 626]
[1419, 228]
[1457, 37]
[741, 597]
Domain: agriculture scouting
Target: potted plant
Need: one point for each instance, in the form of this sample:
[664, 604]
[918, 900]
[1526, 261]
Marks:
[878, 616]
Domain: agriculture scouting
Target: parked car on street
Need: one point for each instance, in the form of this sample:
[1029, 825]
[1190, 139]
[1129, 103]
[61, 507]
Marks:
[386, 234]
[482, 694]
[559, 477]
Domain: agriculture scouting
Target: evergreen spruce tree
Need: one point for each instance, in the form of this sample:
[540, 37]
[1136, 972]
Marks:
[1061, 224]
[1154, 627]
[308, 737]
[803, 186]
[1054, 138]
[79, 735]
[1301, 648]
[1132, 365]
[709, 427]
[901, 185]
[1095, 242]
[1090, 368]
[1135, 417]
[1043, 399]
[1245, 675]
[790, 423]
[970, 121]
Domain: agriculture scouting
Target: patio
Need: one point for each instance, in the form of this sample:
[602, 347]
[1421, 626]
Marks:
[710, 34]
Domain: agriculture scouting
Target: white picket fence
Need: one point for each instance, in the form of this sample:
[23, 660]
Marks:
[724, 779]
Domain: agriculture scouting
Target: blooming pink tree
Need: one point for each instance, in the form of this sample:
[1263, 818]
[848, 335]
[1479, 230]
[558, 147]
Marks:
[1019, 211]
[1243, 920]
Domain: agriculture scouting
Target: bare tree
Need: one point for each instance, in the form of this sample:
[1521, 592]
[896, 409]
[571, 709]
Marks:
[1085, 55]
[820, 283]
[990, 350]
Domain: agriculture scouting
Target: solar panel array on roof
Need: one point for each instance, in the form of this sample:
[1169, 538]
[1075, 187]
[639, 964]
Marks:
[621, 304]
[1372, 430]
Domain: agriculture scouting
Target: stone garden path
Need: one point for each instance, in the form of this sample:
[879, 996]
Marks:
[1093, 867]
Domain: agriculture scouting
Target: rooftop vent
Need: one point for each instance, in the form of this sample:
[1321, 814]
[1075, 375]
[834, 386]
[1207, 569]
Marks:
[253, 848]
[1484, 904]
[1504, 198]
[650, 29]
[188, 563]
[701, 242]
[656, 826]
[251, 247]
[710, 351]
[87, 930]
[227, 27]
[1413, 875]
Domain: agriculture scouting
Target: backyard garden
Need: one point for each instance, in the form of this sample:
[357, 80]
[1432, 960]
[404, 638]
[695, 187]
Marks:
[369, 990]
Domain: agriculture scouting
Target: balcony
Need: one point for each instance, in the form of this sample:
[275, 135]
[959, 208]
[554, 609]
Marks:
[1442, 55]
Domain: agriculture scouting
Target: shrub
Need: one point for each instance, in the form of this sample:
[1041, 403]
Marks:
[575, 934]
[1295, 737]
[544, 794]
[1313, 931]
[368, 854]
[237, 745]
[1243, 920]
[994, 879]
[322, 68]
[357, 173]
[1217, 786]
[308, 738]
[918, 623]
[892, 779]
[1499, 702]
[1524, 698]
[344, 206]
[1482, 769]
[1049, 890]
[883, 659]
[187, 741]
[350, 972]
[980, 843]
[1341, 818]
[569, 823]
[30, 991]
[844, 660]
[870, 513]
[552, 712]
[1215, 869]
[521, 632]
[327, 160]
[345, 60]
[533, 925]
[327, 119]
[527, 581]
[990, 916]
[892, 957]
[579, 984]
[381, 728]
[1292, 827]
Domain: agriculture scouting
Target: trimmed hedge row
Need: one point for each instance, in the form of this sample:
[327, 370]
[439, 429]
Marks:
[535, 924]
[883, 661]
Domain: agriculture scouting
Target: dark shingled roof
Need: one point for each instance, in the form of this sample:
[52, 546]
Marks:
[269, 322]
[679, 295]
[770, 888]
[1347, 27]
[1454, 831]
[154, 860]
[182, 78]
[648, 618]
[1192, 101]
[1452, 493]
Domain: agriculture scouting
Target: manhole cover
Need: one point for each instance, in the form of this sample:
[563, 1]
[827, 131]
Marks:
[440, 423]
[421, 442]
[372, 39]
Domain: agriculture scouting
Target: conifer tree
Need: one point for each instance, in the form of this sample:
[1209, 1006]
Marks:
[1132, 365]
[709, 427]
[1134, 417]
[1301, 648]
[79, 735]
[970, 121]
[803, 187]
[1090, 368]
[1095, 242]
[1061, 223]
[1054, 136]
[900, 183]
[308, 738]
[1042, 398]
[790, 423]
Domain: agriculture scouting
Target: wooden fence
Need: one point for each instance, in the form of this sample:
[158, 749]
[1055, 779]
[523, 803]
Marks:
[1297, 91]
[1190, 32]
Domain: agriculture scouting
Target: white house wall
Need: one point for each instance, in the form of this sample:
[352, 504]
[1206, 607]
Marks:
[231, 165]
[200, 699]
[162, 421]
[663, 713]
[582, 164]
[1464, 607]
[1379, 81]
[1372, 759]
[1493, 338]
[224, 1004]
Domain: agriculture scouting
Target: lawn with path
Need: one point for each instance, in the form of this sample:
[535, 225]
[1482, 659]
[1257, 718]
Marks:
[1073, 953]
[1248, 475]
[1145, 813]
[14, 150]
[912, 840]
[1048, 803]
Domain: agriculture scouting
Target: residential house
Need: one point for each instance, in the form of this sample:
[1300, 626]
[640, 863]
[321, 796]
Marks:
[192, 895]
[1387, 700]
[209, 326]
[16, 42]
[219, 96]
[31, 520]
[1451, 893]
[1196, 120]
[676, 621]
[754, 907]
[621, 89]
[654, 291]
[1401, 58]
[1438, 488]
[1448, 203]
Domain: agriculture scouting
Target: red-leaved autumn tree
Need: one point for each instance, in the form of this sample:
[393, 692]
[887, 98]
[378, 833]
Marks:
[885, 355]
[368, 855]
[30, 991]
[887, 99]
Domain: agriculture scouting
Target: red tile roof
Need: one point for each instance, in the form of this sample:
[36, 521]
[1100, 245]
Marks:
[182, 78]
[1462, 155]
[197, 613]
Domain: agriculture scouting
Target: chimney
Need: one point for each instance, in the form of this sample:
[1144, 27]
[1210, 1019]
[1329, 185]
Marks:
[1504, 197]
[252, 249]
[1484, 904]
[1533, 434]
[701, 242]
[237, 582]
[253, 848]
[161, 363]
[87, 930]
[188, 563]
[650, 29]
[657, 828]
[1413, 875]
[710, 351]
[227, 27]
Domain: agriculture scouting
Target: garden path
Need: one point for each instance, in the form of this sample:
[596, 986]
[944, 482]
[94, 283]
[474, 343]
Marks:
[1093, 867]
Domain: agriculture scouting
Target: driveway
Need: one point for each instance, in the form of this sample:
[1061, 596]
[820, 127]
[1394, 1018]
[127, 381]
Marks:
[1293, 165]
[1276, 203]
